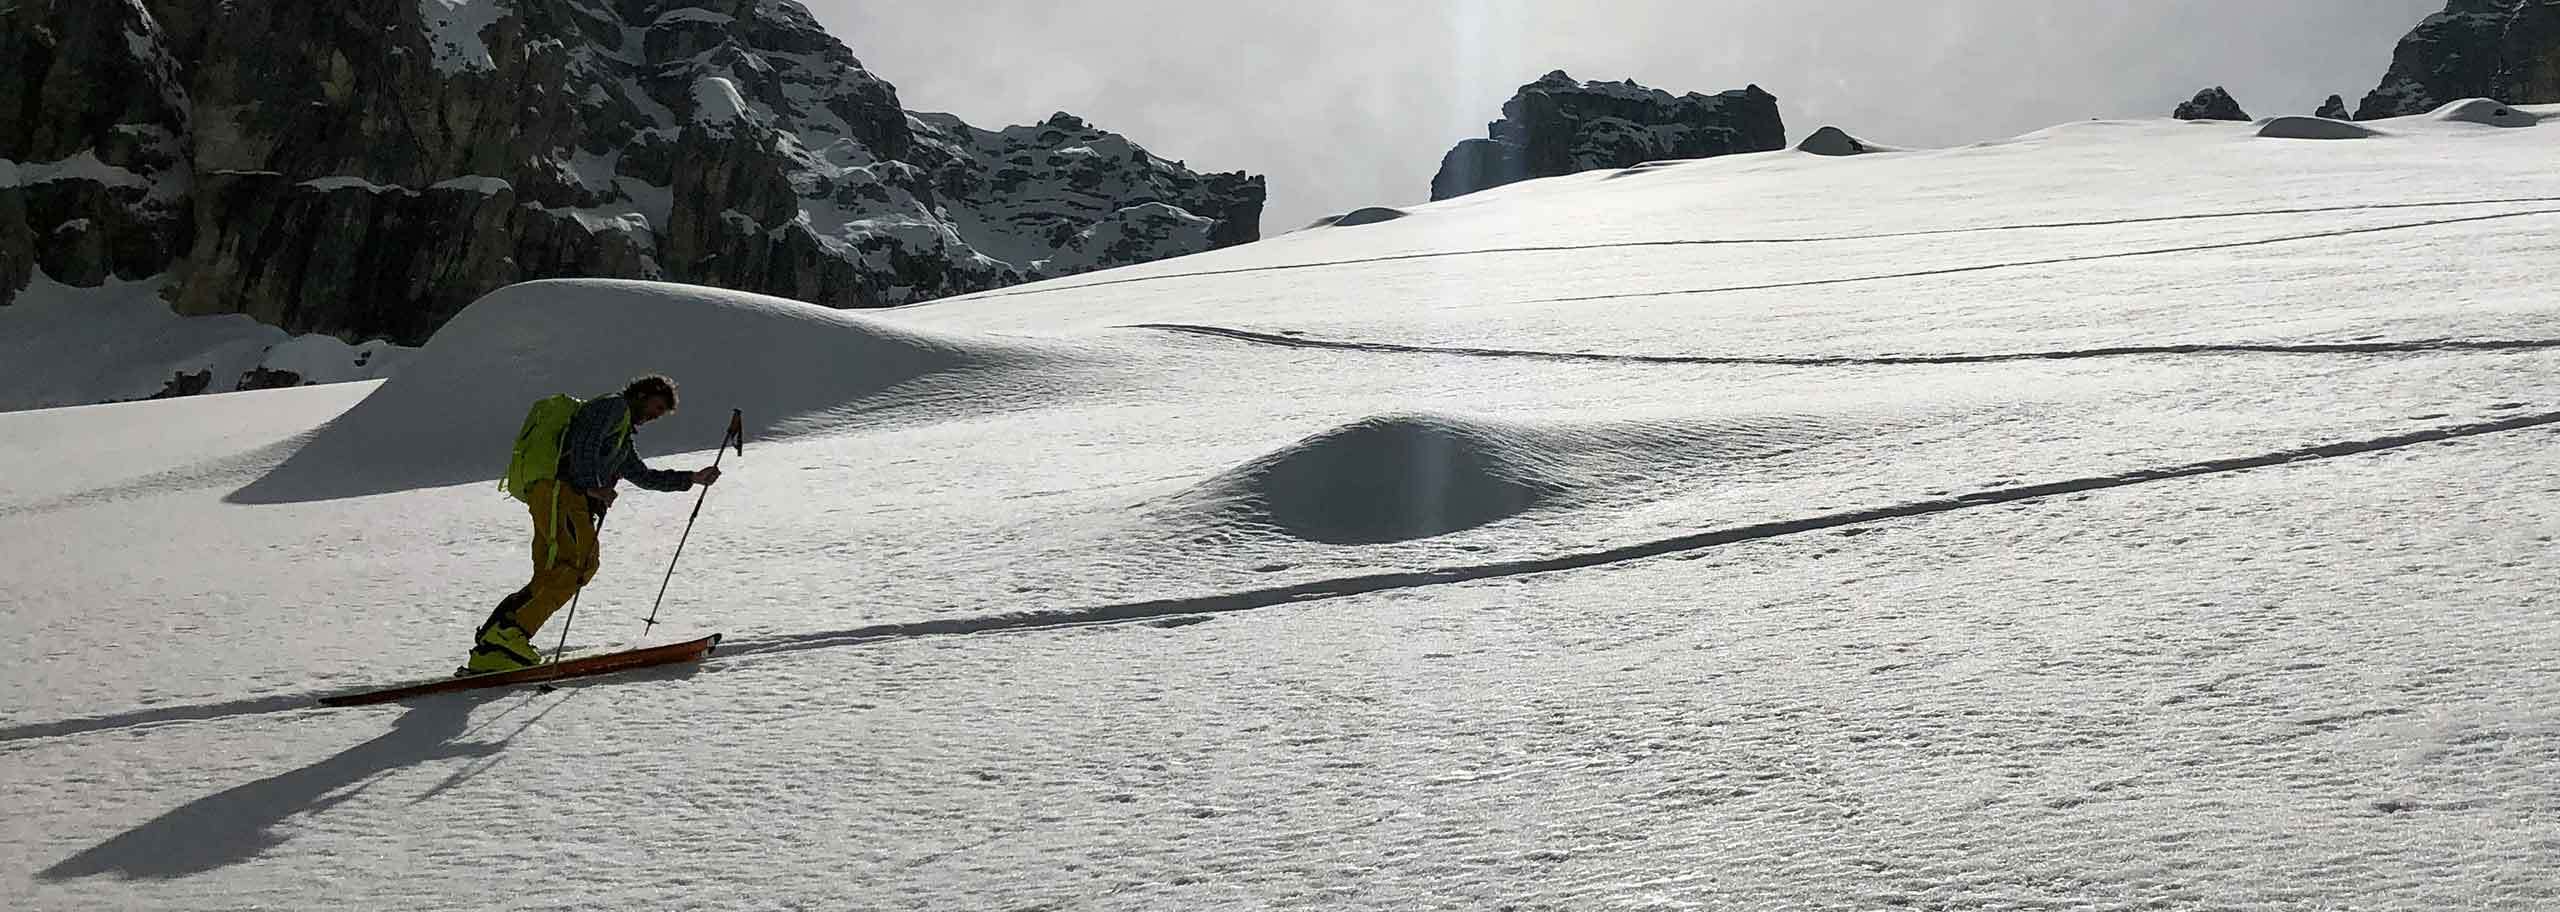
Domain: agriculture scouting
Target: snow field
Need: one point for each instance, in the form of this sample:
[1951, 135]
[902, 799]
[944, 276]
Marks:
[2164, 528]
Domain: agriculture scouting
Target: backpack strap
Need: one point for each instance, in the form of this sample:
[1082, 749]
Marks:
[553, 525]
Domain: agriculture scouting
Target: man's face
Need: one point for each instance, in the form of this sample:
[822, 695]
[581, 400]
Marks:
[651, 408]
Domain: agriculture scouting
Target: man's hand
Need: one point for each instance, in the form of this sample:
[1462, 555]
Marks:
[602, 497]
[706, 475]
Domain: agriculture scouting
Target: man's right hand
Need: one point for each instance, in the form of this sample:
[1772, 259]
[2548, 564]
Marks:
[602, 497]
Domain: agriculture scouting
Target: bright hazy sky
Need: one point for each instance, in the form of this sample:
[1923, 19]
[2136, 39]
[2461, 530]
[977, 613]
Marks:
[1348, 103]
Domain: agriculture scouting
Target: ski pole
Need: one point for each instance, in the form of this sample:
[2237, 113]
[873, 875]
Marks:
[563, 648]
[737, 437]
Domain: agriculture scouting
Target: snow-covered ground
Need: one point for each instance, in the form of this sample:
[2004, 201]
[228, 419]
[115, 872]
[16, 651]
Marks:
[2132, 515]
[67, 345]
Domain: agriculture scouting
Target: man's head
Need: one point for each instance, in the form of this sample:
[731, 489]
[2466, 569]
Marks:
[651, 397]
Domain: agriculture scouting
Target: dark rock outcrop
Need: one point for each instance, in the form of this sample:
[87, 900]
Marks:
[2508, 50]
[1558, 126]
[366, 168]
[2211, 104]
[259, 378]
[2334, 109]
[93, 163]
[182, 383]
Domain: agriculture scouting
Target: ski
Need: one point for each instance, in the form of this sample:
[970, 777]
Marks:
[580, 667]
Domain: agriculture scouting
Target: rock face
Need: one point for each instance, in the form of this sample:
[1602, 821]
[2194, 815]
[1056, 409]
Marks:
[2334, 109]
[93, 166]
[366, 168]
[2507, 50]
[2211, 104]
[1053, 197]
[1559, 126]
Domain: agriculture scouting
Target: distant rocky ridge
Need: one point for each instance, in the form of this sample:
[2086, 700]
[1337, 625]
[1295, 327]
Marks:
[365, 168]
[1557, 126]
[2508, 50]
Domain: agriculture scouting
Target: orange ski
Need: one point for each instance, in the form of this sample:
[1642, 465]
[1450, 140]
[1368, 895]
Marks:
[582, 666]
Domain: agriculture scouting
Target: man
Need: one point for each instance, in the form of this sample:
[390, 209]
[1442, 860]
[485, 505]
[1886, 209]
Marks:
[568, 510]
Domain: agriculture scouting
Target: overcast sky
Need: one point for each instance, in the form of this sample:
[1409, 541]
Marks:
[1348, 103]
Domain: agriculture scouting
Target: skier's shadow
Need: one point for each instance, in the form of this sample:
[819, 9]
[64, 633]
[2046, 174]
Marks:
[238, 824]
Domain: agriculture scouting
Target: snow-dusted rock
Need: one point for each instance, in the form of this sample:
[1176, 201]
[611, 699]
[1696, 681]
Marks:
[2211, 104]
[2508, 50]
[367, 169]
[115, 164]
[1559, 126]
[1037, 196]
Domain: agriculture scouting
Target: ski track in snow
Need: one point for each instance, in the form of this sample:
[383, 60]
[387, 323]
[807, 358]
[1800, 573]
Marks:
[2051, 261]
[2420, 346]
[1046, 288]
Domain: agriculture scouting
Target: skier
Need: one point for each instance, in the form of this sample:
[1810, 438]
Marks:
[568, 510]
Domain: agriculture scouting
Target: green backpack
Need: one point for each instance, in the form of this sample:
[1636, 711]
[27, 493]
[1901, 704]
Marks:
[537, 454]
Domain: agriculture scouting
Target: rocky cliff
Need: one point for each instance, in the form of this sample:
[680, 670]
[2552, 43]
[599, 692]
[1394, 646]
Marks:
[367, 167]
[1559, 126]
[2508, 50]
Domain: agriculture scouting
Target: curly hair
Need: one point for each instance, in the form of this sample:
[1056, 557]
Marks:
[652, 385]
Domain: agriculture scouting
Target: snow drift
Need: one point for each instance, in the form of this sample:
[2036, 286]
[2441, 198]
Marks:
[1400, 477]
[792, 367]
[2486, 111]
[1835, 141]
[1365, 215]
[1392, 478]
[2299, 126]
[1647, 167]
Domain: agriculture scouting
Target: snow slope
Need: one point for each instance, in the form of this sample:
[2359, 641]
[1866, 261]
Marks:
[2130, 515]
[66, 345]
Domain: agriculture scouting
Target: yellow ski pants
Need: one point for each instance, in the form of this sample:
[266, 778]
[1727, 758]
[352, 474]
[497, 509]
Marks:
[565, 554]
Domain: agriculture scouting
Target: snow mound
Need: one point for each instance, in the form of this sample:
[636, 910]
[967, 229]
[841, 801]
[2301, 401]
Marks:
[1400, 477]
[1365, 215]
[2484, 111]
[1391, 478]
[449, 415]
[2300, 126]
[1835, 141]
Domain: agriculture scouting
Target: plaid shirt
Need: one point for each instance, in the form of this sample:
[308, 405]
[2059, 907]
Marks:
[592, 456]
